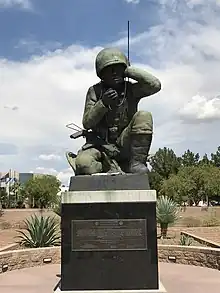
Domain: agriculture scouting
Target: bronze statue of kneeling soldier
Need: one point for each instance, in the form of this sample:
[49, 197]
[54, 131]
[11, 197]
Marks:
[118, 136]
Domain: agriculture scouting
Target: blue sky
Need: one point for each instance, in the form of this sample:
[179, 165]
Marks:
[47, 54]
[91, 23]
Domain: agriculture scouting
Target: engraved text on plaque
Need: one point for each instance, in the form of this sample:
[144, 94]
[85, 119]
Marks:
[109, 234]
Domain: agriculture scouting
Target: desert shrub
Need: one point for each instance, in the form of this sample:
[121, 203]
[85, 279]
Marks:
[212, 221]
[185, 240]
[167, 213]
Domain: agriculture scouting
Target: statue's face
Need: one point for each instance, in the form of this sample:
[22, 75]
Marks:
[113, 75]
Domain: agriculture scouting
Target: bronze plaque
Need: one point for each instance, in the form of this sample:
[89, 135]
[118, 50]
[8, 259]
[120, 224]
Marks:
[109, 234]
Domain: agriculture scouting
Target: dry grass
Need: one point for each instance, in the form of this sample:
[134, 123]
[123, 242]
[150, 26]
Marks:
[191, 220]
[196, 217]
[209, 233]
[7, 237]
[13, 218]
[195, 220]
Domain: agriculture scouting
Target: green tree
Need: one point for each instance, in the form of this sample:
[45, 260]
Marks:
[189, 158]
[205, 160]
[17, 194]
[178, 188]
[215, 158]
[211, 182]
[3, 197]
[193, 184]
[42, 191]
[165, 162]
[155, 180]
[195, 177]
[206, 180]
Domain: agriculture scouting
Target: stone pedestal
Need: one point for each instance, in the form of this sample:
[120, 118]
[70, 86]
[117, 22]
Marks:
[109, 236]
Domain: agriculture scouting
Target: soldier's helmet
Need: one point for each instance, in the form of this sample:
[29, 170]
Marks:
[109, 56]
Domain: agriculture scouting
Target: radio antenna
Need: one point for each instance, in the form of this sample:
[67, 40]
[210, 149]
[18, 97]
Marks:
[128, 40]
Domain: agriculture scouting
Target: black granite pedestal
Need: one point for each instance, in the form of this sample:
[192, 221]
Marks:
[109, 237]
[107, 182]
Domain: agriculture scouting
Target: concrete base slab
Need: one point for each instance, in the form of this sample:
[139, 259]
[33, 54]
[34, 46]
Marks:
[160, 290]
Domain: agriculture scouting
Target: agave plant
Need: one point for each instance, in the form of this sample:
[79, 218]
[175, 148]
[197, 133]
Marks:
[40, 231]
[167, 213]
[185, 240]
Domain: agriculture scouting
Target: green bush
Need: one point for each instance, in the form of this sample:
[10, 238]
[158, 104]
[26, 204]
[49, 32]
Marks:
[40, 232]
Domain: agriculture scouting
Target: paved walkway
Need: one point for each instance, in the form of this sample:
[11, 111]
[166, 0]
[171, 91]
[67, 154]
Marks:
[175, 278]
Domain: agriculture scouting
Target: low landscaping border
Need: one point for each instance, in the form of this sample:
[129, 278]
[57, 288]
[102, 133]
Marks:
[25, 258]
[201, 240]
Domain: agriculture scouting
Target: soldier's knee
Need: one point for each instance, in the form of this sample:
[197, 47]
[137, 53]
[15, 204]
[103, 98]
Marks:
[143, 116]
[142, 122]
[84, 160]
[88, 162]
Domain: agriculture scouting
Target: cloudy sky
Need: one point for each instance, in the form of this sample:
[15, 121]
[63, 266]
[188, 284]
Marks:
[47, 53]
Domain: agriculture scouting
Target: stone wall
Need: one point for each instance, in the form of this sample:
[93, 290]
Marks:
[190, 255]
[24, 258]
[198, 256]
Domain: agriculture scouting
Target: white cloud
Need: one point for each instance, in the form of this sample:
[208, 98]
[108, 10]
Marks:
[49, 91]
[202, 109]
[50, 157]
[175, 4]
[63, 176]
[133, 1]
[44, 170]
[32, 46]
[25, 4]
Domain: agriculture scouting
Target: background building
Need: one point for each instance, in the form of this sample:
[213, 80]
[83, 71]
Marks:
[7, 179]
[24, 177]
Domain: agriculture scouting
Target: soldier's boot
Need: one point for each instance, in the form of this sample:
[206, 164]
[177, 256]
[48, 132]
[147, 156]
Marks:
[139, 150]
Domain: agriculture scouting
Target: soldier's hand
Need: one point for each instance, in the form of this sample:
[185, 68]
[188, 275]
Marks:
[109, 97]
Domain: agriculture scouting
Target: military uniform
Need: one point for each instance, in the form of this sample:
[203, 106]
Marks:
[122, 126]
